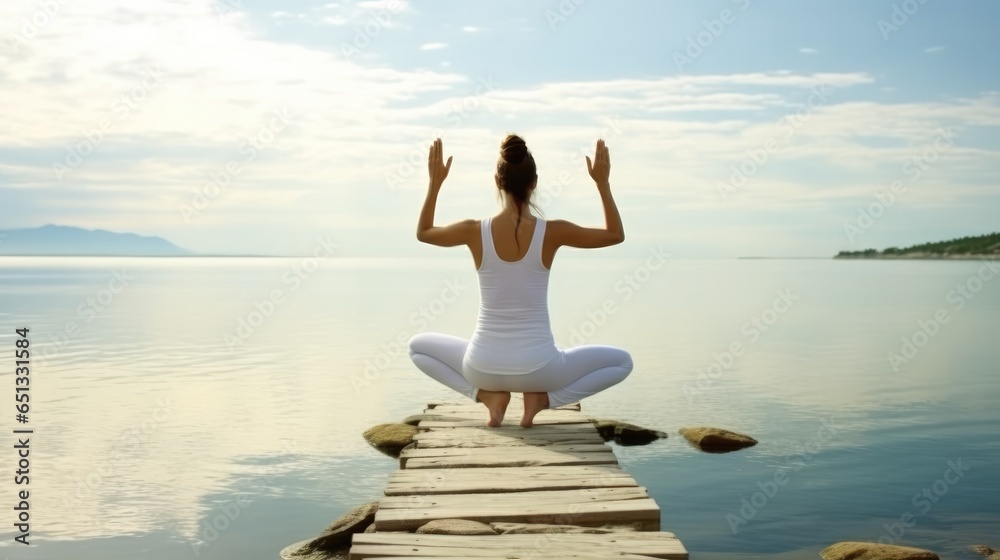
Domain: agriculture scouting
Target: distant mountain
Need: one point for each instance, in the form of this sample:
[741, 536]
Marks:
[964, 247]
[65, 240]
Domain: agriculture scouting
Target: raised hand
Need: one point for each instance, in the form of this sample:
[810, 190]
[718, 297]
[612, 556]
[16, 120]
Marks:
[436, 168]
[600, 168]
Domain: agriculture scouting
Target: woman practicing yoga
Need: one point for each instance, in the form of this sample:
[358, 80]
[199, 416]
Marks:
[512, 348]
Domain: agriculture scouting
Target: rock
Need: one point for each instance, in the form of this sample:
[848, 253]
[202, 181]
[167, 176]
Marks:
[455, 527]
[535, 528]
[415, 419]
[390, 438]
[874, 551]
[369, 529]
[716, 440]
[986, 551]
[624, 433]
[339, 532]
[299, 551]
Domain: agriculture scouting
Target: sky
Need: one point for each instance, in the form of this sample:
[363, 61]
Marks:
[735, 127]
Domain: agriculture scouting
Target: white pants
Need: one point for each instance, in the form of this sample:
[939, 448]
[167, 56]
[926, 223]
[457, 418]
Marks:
[574, 374]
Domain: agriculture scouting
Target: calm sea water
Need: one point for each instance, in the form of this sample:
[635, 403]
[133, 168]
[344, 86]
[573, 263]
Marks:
[213, 408]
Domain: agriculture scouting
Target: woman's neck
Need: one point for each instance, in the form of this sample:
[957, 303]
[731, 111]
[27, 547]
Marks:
[511, 211]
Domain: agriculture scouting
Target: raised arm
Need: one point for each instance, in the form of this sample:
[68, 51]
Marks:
[458, 233]
[567, 233]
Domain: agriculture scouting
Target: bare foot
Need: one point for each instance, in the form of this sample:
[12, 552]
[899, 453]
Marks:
[496, 402]
[533, 404]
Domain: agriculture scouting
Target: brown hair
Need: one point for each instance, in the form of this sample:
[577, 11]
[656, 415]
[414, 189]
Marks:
[516, 174]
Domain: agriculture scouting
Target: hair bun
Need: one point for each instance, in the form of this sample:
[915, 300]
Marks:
[514, 150]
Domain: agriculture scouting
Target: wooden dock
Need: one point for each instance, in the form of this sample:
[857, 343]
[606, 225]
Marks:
[560, 472]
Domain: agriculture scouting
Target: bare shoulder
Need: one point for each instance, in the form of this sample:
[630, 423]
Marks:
[565, 232]
[558, 225]
[558, 229]
[468, 226]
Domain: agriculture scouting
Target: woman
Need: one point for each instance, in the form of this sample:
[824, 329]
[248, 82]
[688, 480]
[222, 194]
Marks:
[512, 348]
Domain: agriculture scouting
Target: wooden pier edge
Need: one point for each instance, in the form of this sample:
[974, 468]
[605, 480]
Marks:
[517, 481]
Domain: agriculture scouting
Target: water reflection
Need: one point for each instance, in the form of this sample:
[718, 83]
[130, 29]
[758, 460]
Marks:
[157, 412]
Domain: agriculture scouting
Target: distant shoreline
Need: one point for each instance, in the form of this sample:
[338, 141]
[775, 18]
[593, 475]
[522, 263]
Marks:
[162, 256]
[920, 257]
[929, 257]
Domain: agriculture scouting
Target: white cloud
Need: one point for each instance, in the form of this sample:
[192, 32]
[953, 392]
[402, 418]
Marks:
[356, 123]
[471, 29]
[934, 49]
[807, 50]
[433, 46]
[390, 5]
[333, 20]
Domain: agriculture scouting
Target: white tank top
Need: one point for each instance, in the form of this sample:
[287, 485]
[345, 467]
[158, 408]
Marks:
[513, 334]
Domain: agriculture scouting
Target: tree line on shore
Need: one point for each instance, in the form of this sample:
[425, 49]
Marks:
[988, 244]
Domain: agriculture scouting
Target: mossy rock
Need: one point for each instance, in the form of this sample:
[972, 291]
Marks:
[335, 541]
[716, 440]
[390, 438]
[624, 433]
[986, 551]
[874, 551]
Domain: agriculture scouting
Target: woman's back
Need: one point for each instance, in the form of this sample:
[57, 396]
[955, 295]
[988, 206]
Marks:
[512, 348]
[513, 334]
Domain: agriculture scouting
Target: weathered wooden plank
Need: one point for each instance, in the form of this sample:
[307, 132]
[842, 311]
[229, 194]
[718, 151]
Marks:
[502, 499]
[509, 424]
[505, 457]
[542, 546]
[379, 552]
[507, 436]
[515, 400]
[558, 472]
[506, 461]
[481, 422]
[504, 479]
[513, 411]
[523, 450]
[589, 507]
[511, 420]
